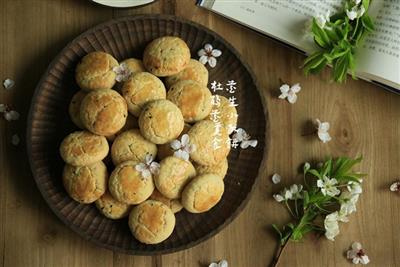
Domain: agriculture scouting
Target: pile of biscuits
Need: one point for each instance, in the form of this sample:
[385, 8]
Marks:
[124, 124]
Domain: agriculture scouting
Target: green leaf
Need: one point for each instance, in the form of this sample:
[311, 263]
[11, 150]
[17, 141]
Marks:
[343, 165]
[340, 67]
[315, 173]
[365, 4]
[320, 35]
[277, 230]
[315, 62]
[367, 23]
[306, 199]
[327, 168]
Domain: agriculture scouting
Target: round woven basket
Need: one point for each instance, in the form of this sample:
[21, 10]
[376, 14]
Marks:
[49, 123]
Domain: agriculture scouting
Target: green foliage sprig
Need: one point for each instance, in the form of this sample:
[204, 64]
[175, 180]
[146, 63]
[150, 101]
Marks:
[338, 38]
[330, 192]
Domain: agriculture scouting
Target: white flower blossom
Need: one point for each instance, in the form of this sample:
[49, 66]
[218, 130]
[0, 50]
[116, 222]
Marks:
[354, 188]
[183, 148]
[328, 187]
[289, 92]
[355, 12]
[323, 19]
[289, 194]
[148, 168]
[348, 205]
[8, 84]
[331, 225]
[357, 2]
[295, 190]
[323, 128]
[242, 137]
[357, 255]
[222, 263]
[123, 72]
[395, 187]
[276, 178]
[15, 140]
[209, 55]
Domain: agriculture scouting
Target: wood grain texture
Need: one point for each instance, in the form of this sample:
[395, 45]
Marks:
[364, 120]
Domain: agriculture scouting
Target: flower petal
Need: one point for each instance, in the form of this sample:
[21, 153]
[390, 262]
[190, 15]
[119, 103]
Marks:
[176, 144]
[253, 143]
[203, 59]
[11, 115]
[185, 140]
[8, 84]
[284, 88]
[292, 98]
[395, 186]
[356, 246]
[140, 167]
[283, 96]
[181, 154]
[364, 259]
[154, 168]
[148, 159]
[244, 144]
[213, 264]
[278, 197]
[295, 88]
[212, 61]
[276, 178]
[216, 53]
[223, 263]
[208, 48]
[146, 173]
[201, 52]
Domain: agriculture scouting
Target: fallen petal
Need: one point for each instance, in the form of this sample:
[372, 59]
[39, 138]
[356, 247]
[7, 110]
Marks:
[8, 84]
[276, 178]
[3, 108]
[176, 144]
[395, 187]
[213, 264]
[292, 98]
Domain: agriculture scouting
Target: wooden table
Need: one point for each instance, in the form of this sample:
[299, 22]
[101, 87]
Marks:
[365, 120]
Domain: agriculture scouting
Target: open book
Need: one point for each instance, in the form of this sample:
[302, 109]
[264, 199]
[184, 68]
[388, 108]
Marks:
[378, 59]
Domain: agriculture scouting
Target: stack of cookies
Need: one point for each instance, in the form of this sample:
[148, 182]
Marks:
[131, 113]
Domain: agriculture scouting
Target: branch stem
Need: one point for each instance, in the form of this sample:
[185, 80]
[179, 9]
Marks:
[278, 253]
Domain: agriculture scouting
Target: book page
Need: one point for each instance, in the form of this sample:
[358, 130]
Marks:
[283, 20]
[380, 53]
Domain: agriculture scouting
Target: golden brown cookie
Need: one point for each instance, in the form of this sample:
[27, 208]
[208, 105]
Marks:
[202, 193]
[83, 148]
[95, 71]
[127, 185]
[194, 71]
[85, 184]
[151, 222]
[174, 174]
[104, 112]
[131, 123]
[225, 113]
[166, 150]
[173, 204]
[131, 145]
[166, 56]
[211, 142]
[111, 208]
[75, 108]
[192, 98]
[219, 169]
[140, 89]
[161, 121]
[134, 65]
